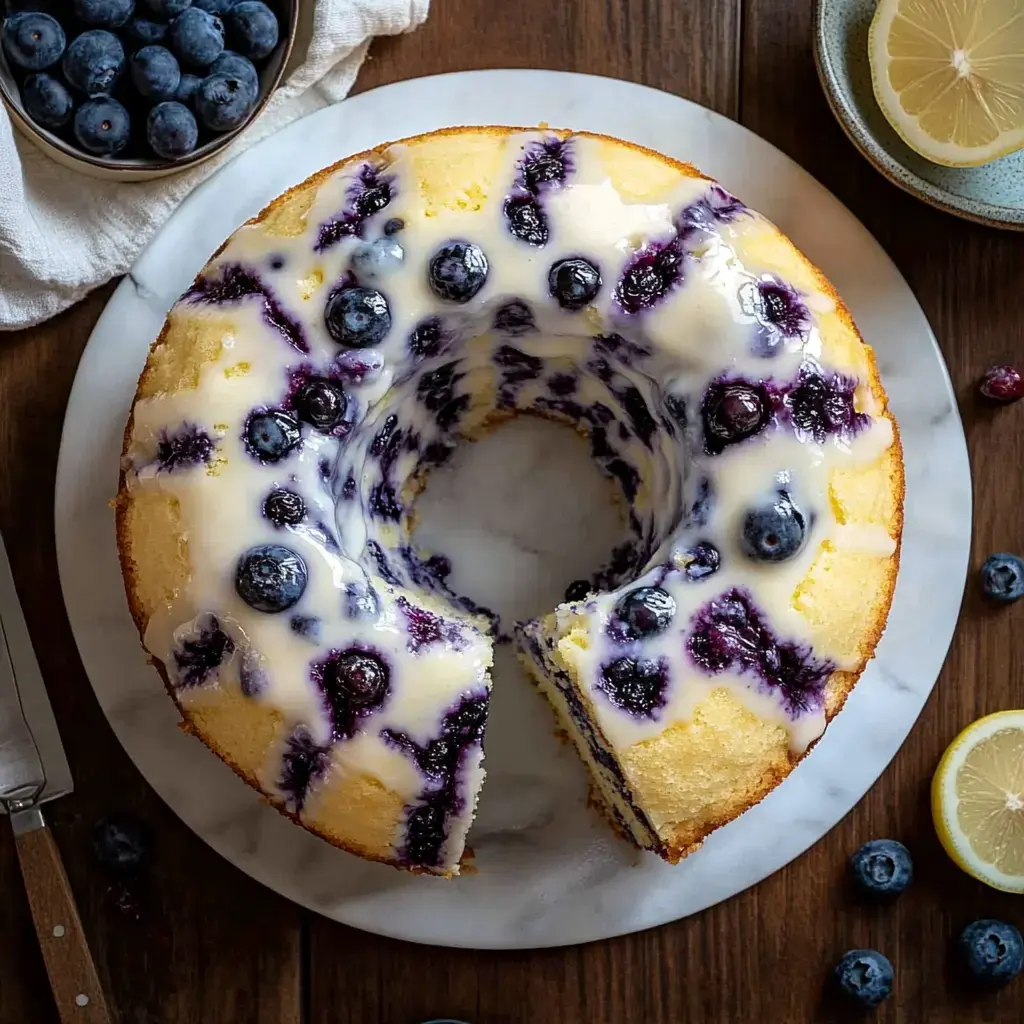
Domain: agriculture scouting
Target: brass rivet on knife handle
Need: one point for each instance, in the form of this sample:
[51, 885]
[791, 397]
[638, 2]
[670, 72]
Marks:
[69, 964]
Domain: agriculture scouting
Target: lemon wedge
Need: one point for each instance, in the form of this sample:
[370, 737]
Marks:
[978, 800]
[949, 76]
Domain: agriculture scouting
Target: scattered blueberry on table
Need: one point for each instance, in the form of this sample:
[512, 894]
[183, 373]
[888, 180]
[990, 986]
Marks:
[1002, 577]
[864, 976]
[99, 73]
[991, 951]
[1002, 384]
[882, 867]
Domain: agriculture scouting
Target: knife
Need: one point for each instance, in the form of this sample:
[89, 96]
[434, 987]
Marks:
[34, 770]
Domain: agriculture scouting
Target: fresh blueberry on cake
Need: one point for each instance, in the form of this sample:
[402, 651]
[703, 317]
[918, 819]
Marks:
[457, 271]
[270, 578]
[526, 220]
[574, 283]
[340, 346]
[271, 435]
[320, 403]
[284, 508]
[773, 530]
[357, 317]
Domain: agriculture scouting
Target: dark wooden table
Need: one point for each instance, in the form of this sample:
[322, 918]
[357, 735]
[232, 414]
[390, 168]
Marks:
[205, 945]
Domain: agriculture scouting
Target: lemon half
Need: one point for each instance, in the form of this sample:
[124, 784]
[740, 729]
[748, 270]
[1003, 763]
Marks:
[949, 76]
[978, 800]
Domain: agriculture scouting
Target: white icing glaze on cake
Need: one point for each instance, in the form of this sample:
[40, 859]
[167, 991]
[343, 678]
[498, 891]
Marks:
[388, 778]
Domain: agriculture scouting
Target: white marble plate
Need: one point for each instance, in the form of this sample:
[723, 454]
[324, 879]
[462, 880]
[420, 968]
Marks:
[550, 873]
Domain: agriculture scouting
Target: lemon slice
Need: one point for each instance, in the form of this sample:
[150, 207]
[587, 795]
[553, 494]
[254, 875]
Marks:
[978, 800]
[949, 76]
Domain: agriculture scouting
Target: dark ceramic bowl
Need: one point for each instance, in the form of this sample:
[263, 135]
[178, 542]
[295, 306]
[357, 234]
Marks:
[141, 168]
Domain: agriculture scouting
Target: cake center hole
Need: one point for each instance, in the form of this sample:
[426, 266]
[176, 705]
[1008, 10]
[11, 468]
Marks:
[520, 513]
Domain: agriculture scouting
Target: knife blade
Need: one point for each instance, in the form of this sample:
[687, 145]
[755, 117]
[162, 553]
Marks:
[33, 769]
[32, 760]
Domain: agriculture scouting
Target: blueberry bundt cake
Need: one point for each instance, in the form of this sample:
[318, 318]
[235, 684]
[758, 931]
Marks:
[340, 345]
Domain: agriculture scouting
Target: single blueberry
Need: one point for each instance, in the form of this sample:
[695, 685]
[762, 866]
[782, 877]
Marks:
[171, 130]
[357, 317]
[354, 682]
[377, 258]
[731, 412]
[865, 976]
[774, 531]
[120, 844]
[102, 126]
[167, 9]
[252, 28]
[320, 403]
[33, 40]
[882, 867]
[578, 590]
[457, 271]
[236, 66]
[188, 87]
[645, 612]
[547, 166]
[393, 226]
[526, 220]
[270, 578]
[701, 561]
[636, 685]
[155, 73]
[46, 100]
[574, 283]
[991, 951]
[1002, 384]
[94, 62]
[270, 436]
[145, 32]
[223, 101]
[651, 273]
[1002, 577]
[197, 37]
[104, 13]
[284, 508]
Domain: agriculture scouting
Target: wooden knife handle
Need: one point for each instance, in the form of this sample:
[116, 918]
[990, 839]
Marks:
[73, 978]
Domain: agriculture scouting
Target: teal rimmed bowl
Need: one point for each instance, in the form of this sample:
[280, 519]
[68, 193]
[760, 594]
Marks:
[991, 194]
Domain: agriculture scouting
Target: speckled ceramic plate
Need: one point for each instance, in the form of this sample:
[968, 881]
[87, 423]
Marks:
[548, 870]
[992, 194]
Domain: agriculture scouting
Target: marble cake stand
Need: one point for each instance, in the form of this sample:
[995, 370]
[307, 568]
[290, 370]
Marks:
[549, 872]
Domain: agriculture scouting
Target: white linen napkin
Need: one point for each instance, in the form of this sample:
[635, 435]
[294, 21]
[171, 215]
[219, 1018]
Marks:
[63, 233]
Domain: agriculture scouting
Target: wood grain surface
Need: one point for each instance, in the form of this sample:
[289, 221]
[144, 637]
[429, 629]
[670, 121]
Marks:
[199, 943]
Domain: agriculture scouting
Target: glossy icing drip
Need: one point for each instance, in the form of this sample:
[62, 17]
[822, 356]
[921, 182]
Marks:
[686, 310]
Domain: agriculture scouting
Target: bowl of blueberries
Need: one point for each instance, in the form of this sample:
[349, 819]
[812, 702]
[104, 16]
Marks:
[131, 90]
